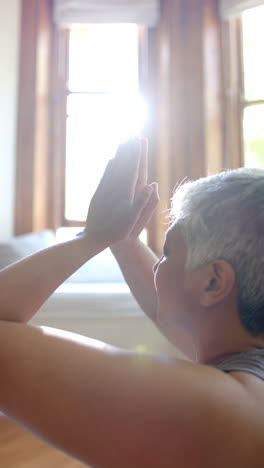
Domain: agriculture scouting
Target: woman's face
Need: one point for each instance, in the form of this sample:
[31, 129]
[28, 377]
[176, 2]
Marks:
[176, 287]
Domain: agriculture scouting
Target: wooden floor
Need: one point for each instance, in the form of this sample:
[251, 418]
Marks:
[20, 449]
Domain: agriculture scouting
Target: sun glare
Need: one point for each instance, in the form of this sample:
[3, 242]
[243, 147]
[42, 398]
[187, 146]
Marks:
[104, 106]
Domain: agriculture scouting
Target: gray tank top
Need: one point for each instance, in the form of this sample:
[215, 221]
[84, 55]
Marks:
[248, 361]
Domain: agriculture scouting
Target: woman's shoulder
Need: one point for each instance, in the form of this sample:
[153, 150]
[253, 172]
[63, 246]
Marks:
[226, 413]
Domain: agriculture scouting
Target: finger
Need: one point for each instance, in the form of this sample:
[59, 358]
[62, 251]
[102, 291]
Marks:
[124, 148]
[155, 186]
[106, 175]
[144, 160]
[140, 201]
[125, 168]
[143, 166]
[146, 214]
[133, 173]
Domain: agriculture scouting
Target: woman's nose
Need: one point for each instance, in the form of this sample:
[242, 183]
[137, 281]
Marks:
[155, 267]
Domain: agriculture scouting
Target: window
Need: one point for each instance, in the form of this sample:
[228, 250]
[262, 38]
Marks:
[178, 48]
[103, 107]
[253, 92]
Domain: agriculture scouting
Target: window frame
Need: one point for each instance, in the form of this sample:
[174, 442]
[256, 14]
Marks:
[61, 91]
[234, 92]
[185, 44]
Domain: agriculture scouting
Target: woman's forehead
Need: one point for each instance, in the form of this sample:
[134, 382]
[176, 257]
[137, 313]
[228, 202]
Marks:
[173, 230]
[173, 235]
[175, 245]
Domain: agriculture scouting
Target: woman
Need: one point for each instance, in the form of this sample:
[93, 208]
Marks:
[113, 408]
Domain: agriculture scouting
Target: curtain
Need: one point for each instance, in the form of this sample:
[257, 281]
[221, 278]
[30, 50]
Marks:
[68, 12]
[34, 176]
[184, 92]
[229, 8]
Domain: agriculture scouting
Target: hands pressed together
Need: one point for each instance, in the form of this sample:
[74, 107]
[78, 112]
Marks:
[120, 208]
[123, 202]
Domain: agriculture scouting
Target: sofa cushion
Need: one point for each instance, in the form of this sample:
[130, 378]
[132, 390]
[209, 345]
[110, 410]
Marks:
[101, 269]
[19, 247]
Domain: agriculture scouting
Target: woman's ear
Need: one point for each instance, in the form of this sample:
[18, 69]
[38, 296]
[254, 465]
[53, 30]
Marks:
[218, 282]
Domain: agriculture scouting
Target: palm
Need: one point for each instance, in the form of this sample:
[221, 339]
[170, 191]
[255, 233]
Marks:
[140, 184]
[121, 204]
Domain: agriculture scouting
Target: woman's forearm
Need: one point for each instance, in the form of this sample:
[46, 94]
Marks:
[136, 261]
[115, 209]
[27, 284]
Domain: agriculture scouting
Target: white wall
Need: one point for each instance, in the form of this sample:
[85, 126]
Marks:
[9, 64]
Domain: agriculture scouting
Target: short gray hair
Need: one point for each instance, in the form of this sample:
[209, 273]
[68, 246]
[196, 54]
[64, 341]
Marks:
[222, 217]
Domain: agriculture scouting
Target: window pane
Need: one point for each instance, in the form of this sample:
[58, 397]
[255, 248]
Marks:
[253, 41]
[254, 136]
[96, 125]
[104, 58]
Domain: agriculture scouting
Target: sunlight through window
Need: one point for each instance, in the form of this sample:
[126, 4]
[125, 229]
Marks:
[104, 106]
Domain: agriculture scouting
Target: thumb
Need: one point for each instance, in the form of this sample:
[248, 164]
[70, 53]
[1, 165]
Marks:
[146, 213]
[141, 199]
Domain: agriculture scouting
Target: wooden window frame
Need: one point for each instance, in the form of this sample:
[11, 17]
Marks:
[41, 122]
[181, 77]
[61, 92]
[60, 69]
[234, 92]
